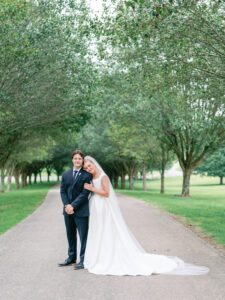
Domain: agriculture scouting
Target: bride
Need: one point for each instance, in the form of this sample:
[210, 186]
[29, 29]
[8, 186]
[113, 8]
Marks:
[111, 247]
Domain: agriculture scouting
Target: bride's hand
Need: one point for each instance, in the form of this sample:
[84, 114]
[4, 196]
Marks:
[88, 186]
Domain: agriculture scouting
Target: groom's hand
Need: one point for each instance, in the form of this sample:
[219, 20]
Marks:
[69, 209]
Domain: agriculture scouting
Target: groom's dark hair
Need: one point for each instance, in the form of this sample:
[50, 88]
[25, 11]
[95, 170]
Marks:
[78, 152]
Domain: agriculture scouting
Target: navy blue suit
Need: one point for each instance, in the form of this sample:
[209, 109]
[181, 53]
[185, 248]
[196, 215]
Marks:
[73, 192]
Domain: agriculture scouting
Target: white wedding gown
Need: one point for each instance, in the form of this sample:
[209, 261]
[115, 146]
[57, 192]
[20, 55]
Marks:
[113, 250]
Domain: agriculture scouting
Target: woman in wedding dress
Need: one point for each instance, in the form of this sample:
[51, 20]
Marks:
[111, 247]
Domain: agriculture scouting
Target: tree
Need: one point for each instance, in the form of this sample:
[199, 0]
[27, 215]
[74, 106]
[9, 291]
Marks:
[45, 71]
[94, 140]
[49, 168]
[180, 79]
[161, 158]
[60, 156]
[214, 165]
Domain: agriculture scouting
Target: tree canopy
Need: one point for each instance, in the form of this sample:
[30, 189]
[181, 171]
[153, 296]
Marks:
[136, 87]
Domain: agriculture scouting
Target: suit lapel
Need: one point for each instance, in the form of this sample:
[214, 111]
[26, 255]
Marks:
[78, 177]
[70, 176]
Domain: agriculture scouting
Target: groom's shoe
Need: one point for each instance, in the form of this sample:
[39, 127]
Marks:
[79, 266]
[67, 262]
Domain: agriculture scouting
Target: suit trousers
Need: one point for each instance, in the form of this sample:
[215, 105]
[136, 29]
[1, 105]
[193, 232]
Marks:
[74, 224]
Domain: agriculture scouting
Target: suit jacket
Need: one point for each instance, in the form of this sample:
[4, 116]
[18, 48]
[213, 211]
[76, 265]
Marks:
[73, 192]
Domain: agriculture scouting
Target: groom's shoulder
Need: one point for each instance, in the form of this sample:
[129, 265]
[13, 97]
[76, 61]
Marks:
[67, 172]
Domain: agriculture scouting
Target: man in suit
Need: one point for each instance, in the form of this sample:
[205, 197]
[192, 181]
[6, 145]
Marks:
[76, 208]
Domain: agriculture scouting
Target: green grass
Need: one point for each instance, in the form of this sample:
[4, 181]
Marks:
[205, 208]
[18, 204]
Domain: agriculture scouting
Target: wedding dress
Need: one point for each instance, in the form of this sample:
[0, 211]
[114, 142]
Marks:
[113, 250]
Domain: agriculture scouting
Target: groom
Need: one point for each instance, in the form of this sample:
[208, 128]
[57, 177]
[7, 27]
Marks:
[76, 208]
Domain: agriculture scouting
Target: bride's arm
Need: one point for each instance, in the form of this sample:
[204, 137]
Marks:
[105, 187]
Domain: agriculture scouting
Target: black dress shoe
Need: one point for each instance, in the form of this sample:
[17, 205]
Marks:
[67, 262]
[79, 266]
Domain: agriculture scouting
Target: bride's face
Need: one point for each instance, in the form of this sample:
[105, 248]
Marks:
[89, 167]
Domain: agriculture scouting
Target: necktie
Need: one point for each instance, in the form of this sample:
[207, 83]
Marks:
[75, 174]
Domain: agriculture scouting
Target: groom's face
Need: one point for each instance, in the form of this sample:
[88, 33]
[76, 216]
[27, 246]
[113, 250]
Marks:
[77, 161]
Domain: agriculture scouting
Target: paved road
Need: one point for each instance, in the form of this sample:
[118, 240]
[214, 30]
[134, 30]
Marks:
[30, 251]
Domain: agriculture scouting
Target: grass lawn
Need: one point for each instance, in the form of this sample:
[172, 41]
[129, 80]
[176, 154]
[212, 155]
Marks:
[204, 209]
[18, 204]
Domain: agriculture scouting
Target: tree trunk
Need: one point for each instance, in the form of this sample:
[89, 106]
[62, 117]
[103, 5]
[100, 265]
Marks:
[116, 182]
[186, 183]
[162, 189]
[17, 180]
[57, 177]
[123, 185]
[2, 187]
[24, 180]
[221, 180]
[23, 183]
[9, 186]
[144, 177]
[35, 177]
[131, 180]
[162, 171]
[30, 178]
[40, 177]
[49, 174]
[136, 175]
